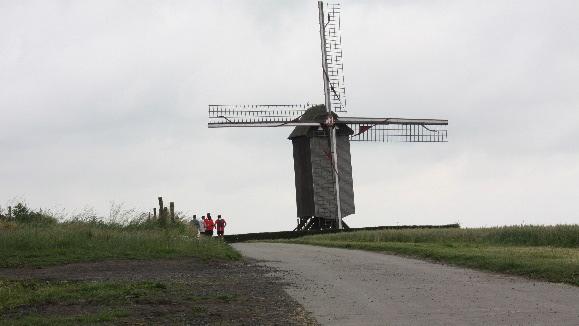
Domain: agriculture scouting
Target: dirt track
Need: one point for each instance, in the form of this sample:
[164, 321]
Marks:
[352, 287]
[256, 297]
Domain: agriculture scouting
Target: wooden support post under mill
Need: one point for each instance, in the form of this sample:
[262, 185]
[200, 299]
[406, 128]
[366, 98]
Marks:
[9, 211]
[154, 213]
[165, 215]
[172, 210]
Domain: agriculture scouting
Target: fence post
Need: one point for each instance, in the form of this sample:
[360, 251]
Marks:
[162, 215]
[10, 212]
[172, 210]
[165, 215]
[155, 213]
[160, 207]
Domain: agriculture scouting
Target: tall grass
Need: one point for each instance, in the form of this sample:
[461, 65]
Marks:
[564, 236]
[38, 244]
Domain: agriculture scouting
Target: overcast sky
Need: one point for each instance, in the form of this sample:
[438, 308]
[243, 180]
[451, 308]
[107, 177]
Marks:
[106, 101]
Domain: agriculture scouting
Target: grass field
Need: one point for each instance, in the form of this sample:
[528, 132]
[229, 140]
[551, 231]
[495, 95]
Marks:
[42, 244]
[32, 239]
[541, 252]
[24, 302]
[17, 296]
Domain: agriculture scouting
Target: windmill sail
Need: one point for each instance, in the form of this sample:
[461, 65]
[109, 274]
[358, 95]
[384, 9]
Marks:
[292, 115]
[321, 138]
[267, 115]
[397, 129]
[333, 57]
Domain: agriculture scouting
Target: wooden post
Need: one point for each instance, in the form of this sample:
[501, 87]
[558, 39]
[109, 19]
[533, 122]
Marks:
[162, 215]
[172, 210]
[165, 215]
[149, 217]
[9, 211]
[155, 213]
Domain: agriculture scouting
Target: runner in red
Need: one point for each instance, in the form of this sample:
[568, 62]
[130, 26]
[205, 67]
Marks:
[209, 225]
[220, 223]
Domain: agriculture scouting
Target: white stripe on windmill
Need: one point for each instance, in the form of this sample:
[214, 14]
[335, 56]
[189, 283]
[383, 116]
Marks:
[321, 139]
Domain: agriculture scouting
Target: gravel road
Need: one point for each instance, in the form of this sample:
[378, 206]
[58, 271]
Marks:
[352, 287]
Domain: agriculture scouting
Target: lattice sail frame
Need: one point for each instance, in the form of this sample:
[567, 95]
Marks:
[259, 115]
[365, 129]
[399, 133]
[334, 56]
[290, 115]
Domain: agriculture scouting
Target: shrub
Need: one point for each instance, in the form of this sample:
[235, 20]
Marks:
[22, 214]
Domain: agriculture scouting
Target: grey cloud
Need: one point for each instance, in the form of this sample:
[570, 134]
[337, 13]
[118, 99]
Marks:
[107, 100]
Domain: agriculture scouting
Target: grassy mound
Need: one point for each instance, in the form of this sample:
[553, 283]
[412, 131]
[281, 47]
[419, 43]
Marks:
[541, 252]
[36, 239]
[564, 236]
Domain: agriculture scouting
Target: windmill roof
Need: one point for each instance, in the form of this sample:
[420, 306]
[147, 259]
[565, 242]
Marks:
[317, 113]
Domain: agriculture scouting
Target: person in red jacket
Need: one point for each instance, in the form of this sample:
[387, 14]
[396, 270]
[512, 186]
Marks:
[220, 223]
[209, 225]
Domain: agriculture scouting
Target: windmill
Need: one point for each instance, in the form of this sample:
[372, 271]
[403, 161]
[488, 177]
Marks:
[321, 138]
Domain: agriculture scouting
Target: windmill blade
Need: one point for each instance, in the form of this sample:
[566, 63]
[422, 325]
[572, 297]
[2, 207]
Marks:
[334, 56]
[389, 121]
[263, 124]
[268, 115]
[397, 130]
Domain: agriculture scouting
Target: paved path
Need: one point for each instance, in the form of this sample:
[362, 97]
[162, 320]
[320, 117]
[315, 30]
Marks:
[352, 287]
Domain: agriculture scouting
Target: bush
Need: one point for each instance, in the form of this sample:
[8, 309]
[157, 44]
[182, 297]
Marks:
[22, 214]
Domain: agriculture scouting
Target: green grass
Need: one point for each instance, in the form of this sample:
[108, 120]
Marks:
[17, 293]
[30, 244]
[24, 302]
[20, 300]
[105, 316]
[36, 239]
[566, 236]
[541, 252]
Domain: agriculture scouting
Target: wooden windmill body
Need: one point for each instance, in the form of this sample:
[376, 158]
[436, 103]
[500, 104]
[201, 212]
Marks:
[321, 139]
[314, 176]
